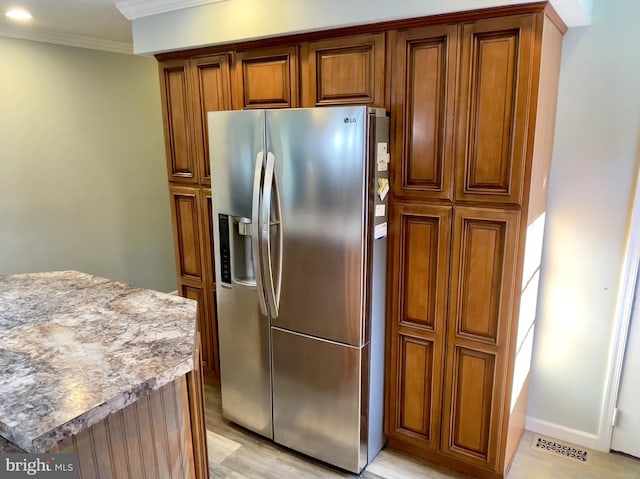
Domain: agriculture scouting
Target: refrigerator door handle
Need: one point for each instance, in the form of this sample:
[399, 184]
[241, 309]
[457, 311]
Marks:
[272, 290]
[278, 224]
[255, 230]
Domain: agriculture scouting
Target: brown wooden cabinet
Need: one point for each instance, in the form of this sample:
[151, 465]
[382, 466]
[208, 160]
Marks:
[423, 105]
[190, 88]
[472, 98]
[420, 259]
[483, 273]
[266, 78]
[493, 113]
[344, 71]
[465, 104]
[186, 207]
[192, 237]
[455, 295]
[178, 121]
[211, 91]
[199, 294]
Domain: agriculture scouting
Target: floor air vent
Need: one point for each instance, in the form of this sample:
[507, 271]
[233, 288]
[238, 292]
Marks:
[560, 449]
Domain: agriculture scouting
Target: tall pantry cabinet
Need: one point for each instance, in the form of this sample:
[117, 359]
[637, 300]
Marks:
[472, 101]
[189, 89]
[473, 111]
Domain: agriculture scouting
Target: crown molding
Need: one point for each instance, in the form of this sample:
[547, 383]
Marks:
[45, 36]
[133, 9]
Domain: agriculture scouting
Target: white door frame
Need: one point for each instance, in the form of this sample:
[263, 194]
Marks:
[621, 324]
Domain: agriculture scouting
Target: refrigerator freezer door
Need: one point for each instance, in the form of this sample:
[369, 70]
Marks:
[235, 141]
[317, 398]
[321, 171]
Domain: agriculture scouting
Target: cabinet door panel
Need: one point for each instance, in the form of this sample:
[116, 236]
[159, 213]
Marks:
[347, 70]
[423, 108]
[421, 249]
[415, 368]
[266, 78]
[185, 210]
[494, 108]
[472, 396]
[483, 269]
[211, 86]
[178, 123]
[483, 272]
[199, 295]
[420, 268]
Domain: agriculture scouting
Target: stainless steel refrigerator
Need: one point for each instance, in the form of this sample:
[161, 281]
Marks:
[299, 214]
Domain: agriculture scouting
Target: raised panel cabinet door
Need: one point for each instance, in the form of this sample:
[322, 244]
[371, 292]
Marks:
[420, 271]
[266, 78]
[186, 214]
[483, 272]
[178, 121]
[423, 101]
[344, 71]
[211, 86]
[494, 109]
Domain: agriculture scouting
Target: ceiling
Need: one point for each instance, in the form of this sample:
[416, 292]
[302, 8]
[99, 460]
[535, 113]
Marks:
[99, 24]
[87, 23]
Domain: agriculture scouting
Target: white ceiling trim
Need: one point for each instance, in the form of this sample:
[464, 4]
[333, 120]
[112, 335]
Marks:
[66, 39]
[133, 9]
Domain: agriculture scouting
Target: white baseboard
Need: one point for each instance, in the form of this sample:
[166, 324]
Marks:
[175, 292]
[557, 431]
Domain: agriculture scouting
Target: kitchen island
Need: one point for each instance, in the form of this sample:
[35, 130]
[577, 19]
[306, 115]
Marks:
[101, 369]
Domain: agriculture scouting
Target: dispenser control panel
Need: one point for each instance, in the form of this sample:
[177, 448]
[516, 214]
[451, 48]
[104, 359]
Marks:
[225, 249]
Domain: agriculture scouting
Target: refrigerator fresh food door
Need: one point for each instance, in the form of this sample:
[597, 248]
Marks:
[236, 145]
[321, 172]
[317, 404]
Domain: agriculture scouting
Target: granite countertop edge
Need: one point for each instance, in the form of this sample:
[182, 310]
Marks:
[93, 416]
[100, 412]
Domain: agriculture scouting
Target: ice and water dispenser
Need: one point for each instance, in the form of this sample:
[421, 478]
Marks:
[236, 250]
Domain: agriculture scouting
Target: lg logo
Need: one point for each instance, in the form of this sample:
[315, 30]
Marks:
[350, 120]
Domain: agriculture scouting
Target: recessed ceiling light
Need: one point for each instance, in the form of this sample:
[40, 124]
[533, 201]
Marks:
[18, 14]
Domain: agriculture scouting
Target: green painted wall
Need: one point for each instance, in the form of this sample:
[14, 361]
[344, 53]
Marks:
[82, 169]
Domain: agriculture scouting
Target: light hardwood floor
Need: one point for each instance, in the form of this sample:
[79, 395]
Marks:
[236, 453]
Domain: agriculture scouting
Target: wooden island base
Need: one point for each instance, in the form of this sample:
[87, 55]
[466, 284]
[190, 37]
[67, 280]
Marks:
[149, 438]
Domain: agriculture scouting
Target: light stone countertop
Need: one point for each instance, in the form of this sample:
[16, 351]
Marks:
[75, 348]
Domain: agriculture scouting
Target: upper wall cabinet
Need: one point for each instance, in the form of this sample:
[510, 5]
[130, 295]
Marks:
[212, 93]
[266, 78]
[494, 107]
[178, 123]
[424, 74]
[191, 88]
[343, 71]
